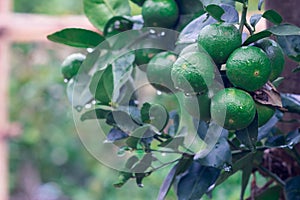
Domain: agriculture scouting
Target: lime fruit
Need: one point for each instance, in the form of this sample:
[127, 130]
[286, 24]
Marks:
[232, 108]
[275, 54]
[143, 56]
[191, 48]
[159, 71]
[193, 72]
[160, 13]
[71, 65]
[219, 40]
[264, 113]
[248, 68]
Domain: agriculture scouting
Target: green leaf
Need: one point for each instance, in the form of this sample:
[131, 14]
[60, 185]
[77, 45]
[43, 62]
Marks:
[297, 69]
[195, 183]
[102, 85]
[270, 194]
[272, 16]
[257, 36]
[123, 178]
[277, 81]
[117, 25]
[292, 190]
[247, 170]
[98, 113]
[215, 11]
[137, 135]
[248, 136]
[78, 91]
[143, 164]
[115, 134]
[291, 102]
[121, 120]
[77, 37]
[285, 30]
[155, 114]
[100, 11]
[183, 164]
[290, 46]
[219, 156]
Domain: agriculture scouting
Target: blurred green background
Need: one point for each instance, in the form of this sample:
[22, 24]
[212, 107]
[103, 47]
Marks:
[48, 159]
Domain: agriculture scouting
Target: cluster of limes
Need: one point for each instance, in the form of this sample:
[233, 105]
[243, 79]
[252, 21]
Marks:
[219, 47]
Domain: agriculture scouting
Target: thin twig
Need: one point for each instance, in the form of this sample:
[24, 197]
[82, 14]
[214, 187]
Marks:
[243, 18]
[272, 175]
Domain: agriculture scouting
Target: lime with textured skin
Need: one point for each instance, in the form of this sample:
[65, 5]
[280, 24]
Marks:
[71, 65]
[264, 113]
[232, 108]
[143, 56]
[193, 72]
[219, 40]
[159, 71]
[191, 48]
[275, 54]
[198, 106]
[160, 13]
[248, 68]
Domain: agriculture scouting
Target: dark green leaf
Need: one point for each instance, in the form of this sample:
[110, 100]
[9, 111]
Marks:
[145, 112]
[257, 36]
[260, 3]
[190, 33]
[77, 37]
[215, 11]
[248, 136]
[123, 178]
[291, 102]
[247, 170]
[275, 141]
[155, 114]
[195, 183]
[265, 130]
[115, 134]
[102, 85]
[78, 91]
[219, 156]
[117, 25]
[254, 19]
[172, 143]
[270, 194]
[290, 46]
[138, 134]
[98, 113]
[143, 164]
[292, 189]
[121, 120]
[293, 137]
[183, 164]
[297, 69]
[285, 30]
[272, 16]
[131, 162]
[138, 2]
[277, 81]
[99, 12]
[122, 70]
[174, 121]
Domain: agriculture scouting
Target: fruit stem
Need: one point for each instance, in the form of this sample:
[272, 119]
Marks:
[243, 18]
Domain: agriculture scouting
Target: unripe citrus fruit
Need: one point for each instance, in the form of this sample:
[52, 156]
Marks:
[219, 40]
[160, 13]
[232, 108]
[248, 68]
[264, 113]
[143, 56]
[159, 71]
[275, 54]
[71, 65]
[193, 72]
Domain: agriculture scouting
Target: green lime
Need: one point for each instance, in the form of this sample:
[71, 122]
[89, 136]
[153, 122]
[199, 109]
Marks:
[143, 56]
[232, 108]
[191, 48]
[193, 72]
[71, 65]
[219, 40]
[275, 54]
[160, 13]
[248, 68]
[159, 71]
[198, 106]
[264, 112]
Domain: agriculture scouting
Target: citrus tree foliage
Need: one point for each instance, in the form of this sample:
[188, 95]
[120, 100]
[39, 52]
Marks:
[105, 90]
